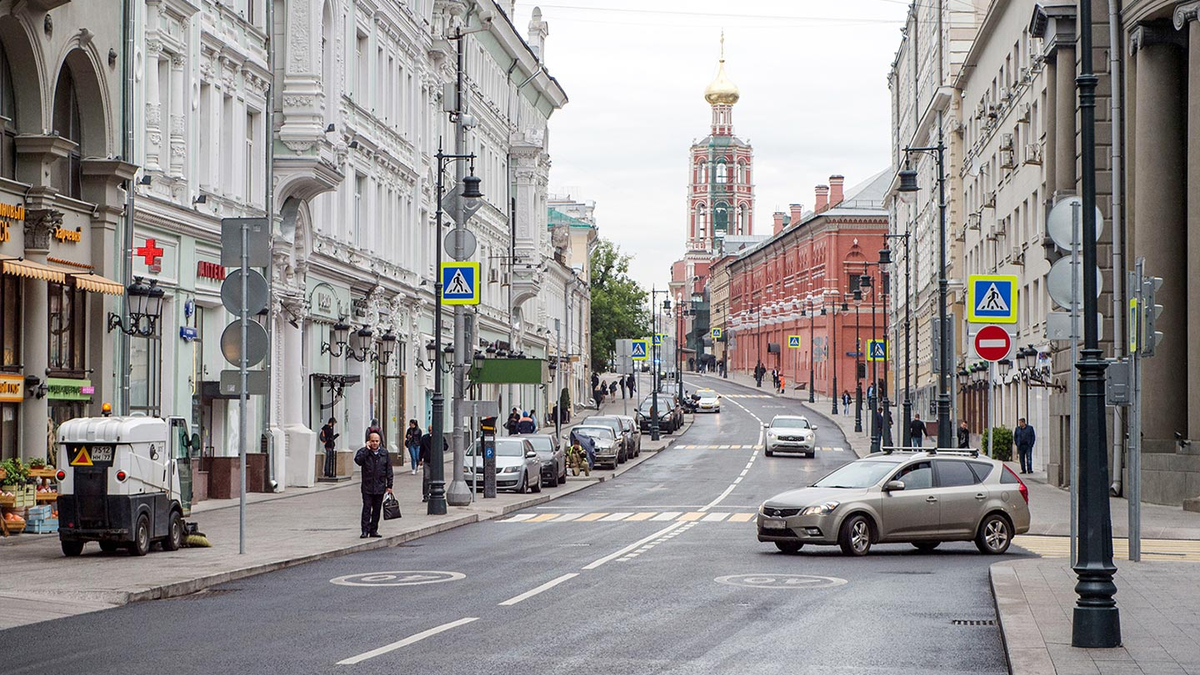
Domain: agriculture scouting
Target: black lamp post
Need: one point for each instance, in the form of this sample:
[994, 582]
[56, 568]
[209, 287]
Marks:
[1097, 621]
[833, 360]
[907, 189]
[144, 303]
[339, 335]
[654, 340]
[865, 281]
[471, 196]
[858, 365]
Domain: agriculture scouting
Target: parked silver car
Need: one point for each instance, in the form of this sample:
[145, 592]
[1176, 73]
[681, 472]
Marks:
[790, 433]
[553, 457]
[923, 498]
[624, 435]
[518, 467]
[634, 430]
[605, 440]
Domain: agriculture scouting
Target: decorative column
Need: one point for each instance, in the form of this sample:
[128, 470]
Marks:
[1160, 202]
[1050, 157]
[153, 96]
[40, 223]
[1187, 18]
[178, 139]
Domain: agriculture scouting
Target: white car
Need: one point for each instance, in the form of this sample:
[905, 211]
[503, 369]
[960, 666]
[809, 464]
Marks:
[790, 433]
[518, 467]
[709, 401]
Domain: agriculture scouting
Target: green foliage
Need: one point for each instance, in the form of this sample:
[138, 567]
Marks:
[15, 471]
[1004, 439]
[619, 304]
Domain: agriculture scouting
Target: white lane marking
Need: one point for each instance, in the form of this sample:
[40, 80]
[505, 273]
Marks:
[669, 515]
[730, 489]
[406, 641]
[519, 517]
[616, 516]
[719, 499]
[540, 589]
[567, 516]
[744, 472]
[633, 546]
[715, 517]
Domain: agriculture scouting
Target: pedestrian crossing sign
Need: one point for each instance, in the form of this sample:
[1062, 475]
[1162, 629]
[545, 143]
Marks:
[658, 339]
[716, 333]
[992, 298]
[460, 283]
[877, 350]
[640, 351]
[793, 342]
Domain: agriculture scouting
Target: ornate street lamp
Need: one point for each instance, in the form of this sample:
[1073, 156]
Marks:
[144, 302]
[339, 334]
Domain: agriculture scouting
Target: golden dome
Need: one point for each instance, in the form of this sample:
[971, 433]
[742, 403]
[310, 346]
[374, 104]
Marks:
[722, 91]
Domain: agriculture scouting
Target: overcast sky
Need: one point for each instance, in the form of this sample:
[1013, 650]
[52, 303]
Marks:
[814, 102]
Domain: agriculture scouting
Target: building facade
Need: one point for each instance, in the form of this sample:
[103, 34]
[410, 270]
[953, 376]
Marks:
[792, 302]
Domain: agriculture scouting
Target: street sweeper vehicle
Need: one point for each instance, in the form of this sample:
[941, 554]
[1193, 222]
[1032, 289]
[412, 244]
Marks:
[120, 482]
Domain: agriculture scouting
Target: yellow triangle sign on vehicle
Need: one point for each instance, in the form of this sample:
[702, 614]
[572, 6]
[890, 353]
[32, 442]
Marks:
[81, 458]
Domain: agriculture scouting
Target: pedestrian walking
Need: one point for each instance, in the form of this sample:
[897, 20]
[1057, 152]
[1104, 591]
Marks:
[759, 372]
[845, 401]
[595, 380]
[511, 425]
[612, 389]
[376, 482]
[329, 440]
[526, 425]
[964, 434]
[630, 383]
[624, 388]
[782, 384]
[426, 462]
[412, 441]
[775, 378]
[1024, 438]
[916, 429]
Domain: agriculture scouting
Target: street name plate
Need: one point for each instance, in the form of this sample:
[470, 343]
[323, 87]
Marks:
[257, 382]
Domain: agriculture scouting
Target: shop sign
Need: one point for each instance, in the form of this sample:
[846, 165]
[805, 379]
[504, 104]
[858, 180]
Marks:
[210, 270]
[66, 389]
[63, 234]
[151, 254]
[9, 214]
[327, 302]
[12, 388]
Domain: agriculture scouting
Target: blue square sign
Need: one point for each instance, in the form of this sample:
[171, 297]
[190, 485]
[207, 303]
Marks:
[992, 298]
[460, 283]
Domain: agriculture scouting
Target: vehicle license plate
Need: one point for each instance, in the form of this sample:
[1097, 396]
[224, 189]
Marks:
[102, 453]
[774, 525]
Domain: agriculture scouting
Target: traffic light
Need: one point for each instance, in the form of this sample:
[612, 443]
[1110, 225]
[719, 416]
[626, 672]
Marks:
[862, 370]
[1150, 336]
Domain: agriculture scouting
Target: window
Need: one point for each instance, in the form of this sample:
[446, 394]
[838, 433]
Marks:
[226, 177]
[701, 221]
[207, 137]
[68, 125]
[918, 476]
[8, 431]
[8, 111]
[145, 382]
[68, 326]
[251, 186]
[982, 470]
[361, 70]
[722, 172]
[954, 473]
[360, 209]
[10, 336]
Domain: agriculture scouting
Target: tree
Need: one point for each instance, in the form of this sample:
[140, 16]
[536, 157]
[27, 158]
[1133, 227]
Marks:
[619, 309]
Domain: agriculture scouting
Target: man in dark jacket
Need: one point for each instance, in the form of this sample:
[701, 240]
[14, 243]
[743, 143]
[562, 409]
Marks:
[329, 441]
[376, 481]
[426, 461]
[916, 429]
[964, 435]
[630, 383]
[1024, 439]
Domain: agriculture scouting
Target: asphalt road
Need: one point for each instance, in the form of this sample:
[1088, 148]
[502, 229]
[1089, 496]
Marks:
[672, 582]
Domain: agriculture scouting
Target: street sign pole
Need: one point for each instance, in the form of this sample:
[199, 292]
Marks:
[244, 394]
[1073, 469]
[991, 410]
[1135, 422]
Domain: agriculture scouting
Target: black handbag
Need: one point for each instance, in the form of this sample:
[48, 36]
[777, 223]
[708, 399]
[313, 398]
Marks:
[391, 507]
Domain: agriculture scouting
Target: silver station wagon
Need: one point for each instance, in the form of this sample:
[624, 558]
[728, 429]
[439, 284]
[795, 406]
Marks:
[922, 498]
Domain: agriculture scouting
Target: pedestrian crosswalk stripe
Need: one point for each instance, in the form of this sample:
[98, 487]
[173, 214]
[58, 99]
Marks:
[747, 396]
[616, 516]
[1183, 550]
[587, 518]
[693, 517]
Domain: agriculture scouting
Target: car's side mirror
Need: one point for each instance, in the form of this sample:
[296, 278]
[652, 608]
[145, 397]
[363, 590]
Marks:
[893, 486]
[814, 427]
[766, 426]
[532, 454]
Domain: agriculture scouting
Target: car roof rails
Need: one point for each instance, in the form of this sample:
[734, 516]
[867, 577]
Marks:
[905, 449]
[960, 452]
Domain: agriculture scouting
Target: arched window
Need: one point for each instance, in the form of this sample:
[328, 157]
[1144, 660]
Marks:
[722, 172]
[741, 172]
[68, 124]
[743, 218]
[8, 111]
[699, 175]
[701, 221]
[720, 219]
[327, 58]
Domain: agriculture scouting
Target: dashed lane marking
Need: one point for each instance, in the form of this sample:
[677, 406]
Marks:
[669, 515]
[406, 641]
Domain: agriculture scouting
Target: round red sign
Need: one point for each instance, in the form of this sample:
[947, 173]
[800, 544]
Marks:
[992, 343]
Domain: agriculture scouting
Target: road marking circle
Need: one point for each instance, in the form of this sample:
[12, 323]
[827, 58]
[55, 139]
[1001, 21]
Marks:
[400, 578]
[791, 581]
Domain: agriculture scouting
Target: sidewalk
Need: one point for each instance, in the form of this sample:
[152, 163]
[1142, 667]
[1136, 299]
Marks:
[300, 525]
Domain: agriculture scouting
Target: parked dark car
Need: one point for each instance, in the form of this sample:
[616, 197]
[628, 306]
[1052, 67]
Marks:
[670, 413]
[553, 457]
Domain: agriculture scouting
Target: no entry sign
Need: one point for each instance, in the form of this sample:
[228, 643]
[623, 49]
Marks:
[992, 343]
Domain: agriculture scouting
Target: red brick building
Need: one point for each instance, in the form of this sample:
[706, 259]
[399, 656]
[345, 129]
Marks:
[813, 261]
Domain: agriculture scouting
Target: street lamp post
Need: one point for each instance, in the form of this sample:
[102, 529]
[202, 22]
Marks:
[865, 281]
[885, 258]
[437, 473]
[812, 352]
[833, 360]
[654, 340]
[908, 188]
[886, 415]
[858, 366]
[1097, 621]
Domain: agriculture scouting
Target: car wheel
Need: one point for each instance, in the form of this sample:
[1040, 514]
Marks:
[174, 540]
[926, 546]
[72, 548]
[789, 547]
[769, 453]
[855, 537]
[520, 489]
[534, 485]
[141, 536]
[109, 546]
[994, 536]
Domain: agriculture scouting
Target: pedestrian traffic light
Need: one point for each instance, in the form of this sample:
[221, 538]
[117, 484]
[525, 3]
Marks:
[1151, 337]
[862, 370]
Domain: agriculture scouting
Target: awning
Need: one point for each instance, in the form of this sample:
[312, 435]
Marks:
[34, 270]
[97, 284]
